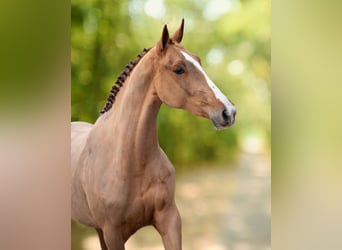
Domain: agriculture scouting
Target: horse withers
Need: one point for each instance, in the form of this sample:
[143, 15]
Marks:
[121, 178]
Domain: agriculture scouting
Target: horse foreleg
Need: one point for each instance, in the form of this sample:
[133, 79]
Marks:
[101, 238]
[168, 224]
[112, 239]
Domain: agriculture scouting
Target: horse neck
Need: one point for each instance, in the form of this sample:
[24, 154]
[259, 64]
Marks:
[134, 115]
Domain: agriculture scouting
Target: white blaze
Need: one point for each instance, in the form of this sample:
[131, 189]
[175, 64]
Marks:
[218, 94]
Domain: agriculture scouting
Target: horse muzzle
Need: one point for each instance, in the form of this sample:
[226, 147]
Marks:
[224, 118]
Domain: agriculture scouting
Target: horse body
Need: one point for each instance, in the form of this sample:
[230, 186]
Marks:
[121, 178]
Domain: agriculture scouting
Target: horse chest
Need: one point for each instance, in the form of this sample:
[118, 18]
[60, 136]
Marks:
[146, 199]
[138, 213]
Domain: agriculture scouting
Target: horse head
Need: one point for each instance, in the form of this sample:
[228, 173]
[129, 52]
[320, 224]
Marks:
[181, 82]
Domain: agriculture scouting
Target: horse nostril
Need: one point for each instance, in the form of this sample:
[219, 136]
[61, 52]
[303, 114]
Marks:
[225, 115]
[229, 117]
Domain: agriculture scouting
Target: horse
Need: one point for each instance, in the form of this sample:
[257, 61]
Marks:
[121, 178]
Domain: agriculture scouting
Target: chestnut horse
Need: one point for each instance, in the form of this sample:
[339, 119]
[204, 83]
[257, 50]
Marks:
[121, 178]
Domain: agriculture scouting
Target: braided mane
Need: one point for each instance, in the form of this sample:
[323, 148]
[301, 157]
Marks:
[120, 81]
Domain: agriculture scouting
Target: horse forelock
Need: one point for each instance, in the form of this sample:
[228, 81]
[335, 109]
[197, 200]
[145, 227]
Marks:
[121, 80]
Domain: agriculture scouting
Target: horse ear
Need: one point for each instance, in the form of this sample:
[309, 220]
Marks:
[179, 33]
[164, 39]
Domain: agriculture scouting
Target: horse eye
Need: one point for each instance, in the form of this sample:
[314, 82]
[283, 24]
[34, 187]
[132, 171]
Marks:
[178, 70]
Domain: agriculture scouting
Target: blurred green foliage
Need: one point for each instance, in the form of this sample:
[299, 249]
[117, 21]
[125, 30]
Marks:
[232, 38]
